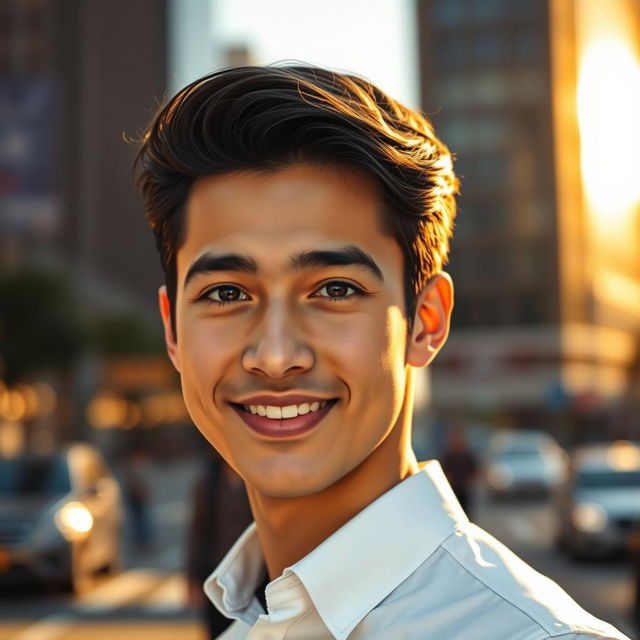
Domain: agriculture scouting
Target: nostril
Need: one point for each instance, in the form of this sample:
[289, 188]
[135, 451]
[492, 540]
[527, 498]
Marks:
[278, 358]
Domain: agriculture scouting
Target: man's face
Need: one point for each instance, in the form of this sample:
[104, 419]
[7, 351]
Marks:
[288, 289]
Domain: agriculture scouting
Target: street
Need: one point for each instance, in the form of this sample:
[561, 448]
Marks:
[149, 595]
[134, 601]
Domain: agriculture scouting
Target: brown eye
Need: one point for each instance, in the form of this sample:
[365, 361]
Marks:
[229, 294]
[338, 290]
[225, 293]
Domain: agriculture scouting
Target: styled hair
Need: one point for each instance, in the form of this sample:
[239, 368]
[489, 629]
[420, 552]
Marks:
[268, 118]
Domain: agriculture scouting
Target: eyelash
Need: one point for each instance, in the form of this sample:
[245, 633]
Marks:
[357, 292]
[220, 303]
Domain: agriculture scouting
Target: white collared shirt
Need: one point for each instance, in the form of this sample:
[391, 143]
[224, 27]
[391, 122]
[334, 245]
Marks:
[409, 566]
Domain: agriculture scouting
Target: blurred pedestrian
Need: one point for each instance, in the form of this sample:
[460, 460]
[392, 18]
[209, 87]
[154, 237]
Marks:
[220, 514]
[136, 498]
[460, 466]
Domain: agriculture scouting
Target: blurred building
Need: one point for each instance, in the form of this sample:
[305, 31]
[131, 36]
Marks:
[547, 312]
[29, 208]
[78, 79]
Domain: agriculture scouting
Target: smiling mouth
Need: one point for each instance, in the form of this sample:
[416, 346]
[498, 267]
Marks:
[287, 421]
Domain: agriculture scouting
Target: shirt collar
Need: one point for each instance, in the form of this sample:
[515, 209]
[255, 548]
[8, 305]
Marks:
[232, 585]
[360, 564]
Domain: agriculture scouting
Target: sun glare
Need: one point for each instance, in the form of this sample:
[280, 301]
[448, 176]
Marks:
[608, 108]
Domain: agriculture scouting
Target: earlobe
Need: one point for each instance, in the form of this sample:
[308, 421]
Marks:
[169, 337]
[431, 321]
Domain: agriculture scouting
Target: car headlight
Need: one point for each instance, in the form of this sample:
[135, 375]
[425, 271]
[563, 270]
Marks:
[74, 521]
[500, 476]
[589, 517]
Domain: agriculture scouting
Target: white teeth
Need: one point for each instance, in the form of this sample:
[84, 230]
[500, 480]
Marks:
[274, 412]
[290, 411]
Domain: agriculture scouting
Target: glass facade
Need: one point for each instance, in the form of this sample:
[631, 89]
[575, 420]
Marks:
[485, 80]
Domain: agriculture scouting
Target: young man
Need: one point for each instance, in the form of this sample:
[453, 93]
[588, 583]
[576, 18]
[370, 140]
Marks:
[303, 218]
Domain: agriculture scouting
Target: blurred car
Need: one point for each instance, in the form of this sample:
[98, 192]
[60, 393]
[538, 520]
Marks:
[599, 506]
[60, 518]
[524, 462]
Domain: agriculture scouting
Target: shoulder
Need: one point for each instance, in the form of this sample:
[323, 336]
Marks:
[519, 591]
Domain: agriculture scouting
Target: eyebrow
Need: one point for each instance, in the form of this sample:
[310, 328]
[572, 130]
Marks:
[210, 263]
[343, 257]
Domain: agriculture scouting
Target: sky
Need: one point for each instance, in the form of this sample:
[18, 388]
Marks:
[373, 38]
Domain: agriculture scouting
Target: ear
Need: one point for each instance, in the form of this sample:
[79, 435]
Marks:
[169, 338]
[431, 321]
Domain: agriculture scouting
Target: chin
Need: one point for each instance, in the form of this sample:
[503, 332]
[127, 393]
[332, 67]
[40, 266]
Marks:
[288, 483]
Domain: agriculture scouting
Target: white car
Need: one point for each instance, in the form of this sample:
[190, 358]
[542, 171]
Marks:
[60, 518]
[599, 507]
[524, 462]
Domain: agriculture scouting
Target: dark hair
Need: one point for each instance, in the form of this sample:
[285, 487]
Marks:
[267, 118]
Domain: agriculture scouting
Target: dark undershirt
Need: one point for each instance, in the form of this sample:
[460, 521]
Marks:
[260, 593]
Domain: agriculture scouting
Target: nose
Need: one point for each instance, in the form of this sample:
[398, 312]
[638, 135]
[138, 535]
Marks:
[277, 351]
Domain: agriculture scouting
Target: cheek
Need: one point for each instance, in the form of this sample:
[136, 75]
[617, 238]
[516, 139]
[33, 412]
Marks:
[369, 351]
[206, 349]
[385, 373]
[394, 350]
[206, 346]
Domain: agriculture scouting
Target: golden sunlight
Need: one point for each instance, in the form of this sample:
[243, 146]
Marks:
[608, 108]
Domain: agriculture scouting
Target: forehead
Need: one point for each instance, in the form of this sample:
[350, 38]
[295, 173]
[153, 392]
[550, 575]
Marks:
[271, 215]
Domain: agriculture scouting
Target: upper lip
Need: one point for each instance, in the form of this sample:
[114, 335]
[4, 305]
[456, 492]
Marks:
[281, 401]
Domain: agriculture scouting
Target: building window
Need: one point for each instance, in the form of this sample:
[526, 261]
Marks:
[527, 45]
[527, 9]
[491, 88]
[455, 90]
[530, 309]
[488, 215]
[450, 13]
[528, 86]
[490, 11]
[491, 169]
[452, 51]
[467, 133]
[531, 263]
[489, 48]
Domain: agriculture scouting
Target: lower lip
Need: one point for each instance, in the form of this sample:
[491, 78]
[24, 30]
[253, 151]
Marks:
[285, 428]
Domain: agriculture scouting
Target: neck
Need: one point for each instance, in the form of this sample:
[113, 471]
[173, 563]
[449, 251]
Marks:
[290, 528]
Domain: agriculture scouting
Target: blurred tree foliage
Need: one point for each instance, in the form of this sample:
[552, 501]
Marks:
[125, 333]
[40, 324]
[42, 327]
